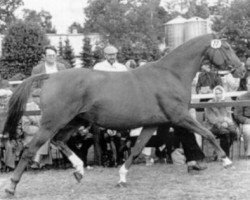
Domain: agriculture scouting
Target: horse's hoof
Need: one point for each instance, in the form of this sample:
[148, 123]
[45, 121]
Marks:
[9, 192]
[78, 176]
[227, 163]
[121, 185]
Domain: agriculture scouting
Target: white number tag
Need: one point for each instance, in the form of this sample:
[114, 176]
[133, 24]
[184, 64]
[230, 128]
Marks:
[216, 44]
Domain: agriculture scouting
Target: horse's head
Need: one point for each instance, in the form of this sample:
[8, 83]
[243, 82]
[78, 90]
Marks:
[223, 56]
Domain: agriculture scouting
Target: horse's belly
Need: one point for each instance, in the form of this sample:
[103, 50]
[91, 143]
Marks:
[128, 119]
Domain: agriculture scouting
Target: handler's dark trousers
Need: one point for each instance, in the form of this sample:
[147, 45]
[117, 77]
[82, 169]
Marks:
[190, 146]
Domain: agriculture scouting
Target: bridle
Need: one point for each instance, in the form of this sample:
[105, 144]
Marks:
[221, 47]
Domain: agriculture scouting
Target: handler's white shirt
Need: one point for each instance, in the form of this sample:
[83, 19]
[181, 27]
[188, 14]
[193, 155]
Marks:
[51, 69]
[106, 66]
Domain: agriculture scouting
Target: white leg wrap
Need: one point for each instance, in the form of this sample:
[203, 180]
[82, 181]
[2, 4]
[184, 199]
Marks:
[77, 163]
[123, 173]
[226, 162]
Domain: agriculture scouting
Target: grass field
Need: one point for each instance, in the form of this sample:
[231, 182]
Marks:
[160, 181]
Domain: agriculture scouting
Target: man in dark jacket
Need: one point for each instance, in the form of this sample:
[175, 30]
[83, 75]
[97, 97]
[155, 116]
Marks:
[242, 116]
[50, 65]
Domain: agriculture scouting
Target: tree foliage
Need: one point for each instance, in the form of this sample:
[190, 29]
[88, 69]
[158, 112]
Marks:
[199, 10]
[136, 23]
[7, 9]
[22, 48]
[60, 48]
[43, 18]
[86, 54]
[234, 22]
[68, 54]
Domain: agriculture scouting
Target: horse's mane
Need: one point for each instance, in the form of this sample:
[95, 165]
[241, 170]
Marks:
[201, 38]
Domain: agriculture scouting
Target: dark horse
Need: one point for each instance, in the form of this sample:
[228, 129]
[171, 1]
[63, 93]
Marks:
[157, 93]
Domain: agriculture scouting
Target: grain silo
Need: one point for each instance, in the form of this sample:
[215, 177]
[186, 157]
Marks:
[174, 31]
[194, 27]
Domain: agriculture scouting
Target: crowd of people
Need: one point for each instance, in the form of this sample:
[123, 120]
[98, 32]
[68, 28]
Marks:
[112, 147]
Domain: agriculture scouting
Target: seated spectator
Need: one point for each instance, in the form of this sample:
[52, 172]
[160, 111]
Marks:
[30, 125]
[242, 116]
[230, 83]
[111, 148]
[80, 142]
[12, 151]
[7, 147]
[243, 81]
[219, 121]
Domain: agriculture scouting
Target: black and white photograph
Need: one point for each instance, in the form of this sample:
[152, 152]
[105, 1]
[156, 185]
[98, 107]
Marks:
[125, 99]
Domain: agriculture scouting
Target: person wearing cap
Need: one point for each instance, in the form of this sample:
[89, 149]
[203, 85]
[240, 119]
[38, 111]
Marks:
[110, 63]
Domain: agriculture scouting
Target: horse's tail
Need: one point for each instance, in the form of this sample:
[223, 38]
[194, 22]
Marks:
[17, 103]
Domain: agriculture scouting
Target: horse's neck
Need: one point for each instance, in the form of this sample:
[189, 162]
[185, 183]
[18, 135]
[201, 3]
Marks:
[185, 61]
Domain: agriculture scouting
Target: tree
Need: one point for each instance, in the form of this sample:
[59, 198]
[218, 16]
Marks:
[234, 21]
[60, 48]
[68, 53]
[136, 22]
[97, 55]
[198, 10]
[86, 54]
[7, 9]
[43, 18]
[23, 47]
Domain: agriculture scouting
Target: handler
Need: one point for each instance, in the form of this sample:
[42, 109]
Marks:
[109, 64]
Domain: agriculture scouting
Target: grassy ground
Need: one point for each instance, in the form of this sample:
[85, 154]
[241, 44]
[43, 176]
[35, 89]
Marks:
[160, 181]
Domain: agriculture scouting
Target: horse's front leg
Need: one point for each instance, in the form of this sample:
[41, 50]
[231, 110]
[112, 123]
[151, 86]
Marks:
[141, 141]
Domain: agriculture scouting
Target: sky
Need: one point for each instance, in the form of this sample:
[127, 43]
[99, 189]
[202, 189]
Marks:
[64, 12]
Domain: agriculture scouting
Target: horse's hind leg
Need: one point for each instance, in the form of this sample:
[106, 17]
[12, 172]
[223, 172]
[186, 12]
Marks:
[186, 121]
[60, 141]
[39, 139]
[141, 141]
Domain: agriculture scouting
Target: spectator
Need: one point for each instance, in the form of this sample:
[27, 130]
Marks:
[50, 65]
[7, 147]
[131, 64]
[109, 64]
[242, 116]
[80, 143]
[207, 80]
[243, 81]
[141, 62]
[230, 83]
[219, 121]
